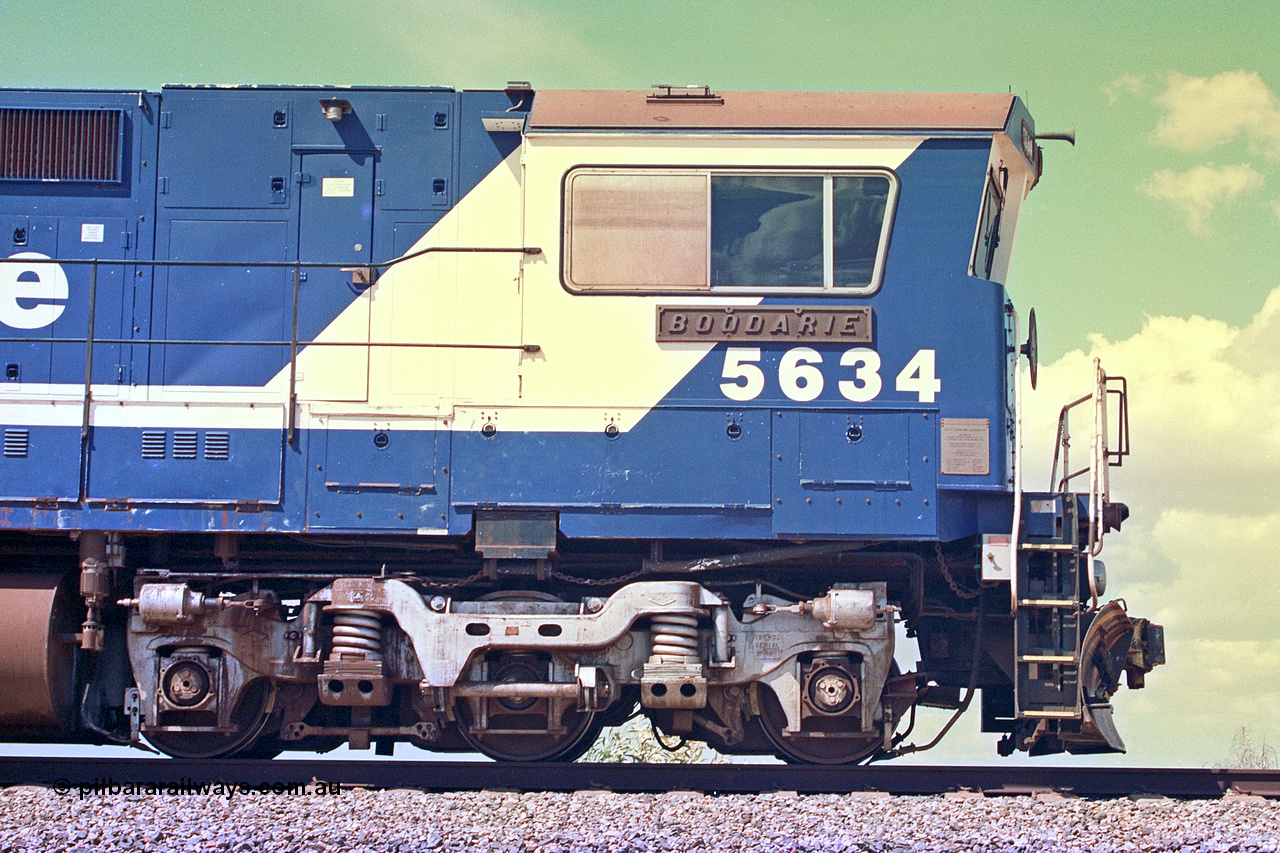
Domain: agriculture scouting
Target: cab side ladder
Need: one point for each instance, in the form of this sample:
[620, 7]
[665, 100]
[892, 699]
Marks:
[1047, 620]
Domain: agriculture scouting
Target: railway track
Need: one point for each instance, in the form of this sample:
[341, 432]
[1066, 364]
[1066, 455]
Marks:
[71, 774]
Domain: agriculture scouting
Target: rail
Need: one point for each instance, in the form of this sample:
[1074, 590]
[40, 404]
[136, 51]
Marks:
[363, 273]
[66, 774]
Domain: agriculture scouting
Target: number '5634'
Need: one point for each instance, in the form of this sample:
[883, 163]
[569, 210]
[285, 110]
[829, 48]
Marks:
[801, 380]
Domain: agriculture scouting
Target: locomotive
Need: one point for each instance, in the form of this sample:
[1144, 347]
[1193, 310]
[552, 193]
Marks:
[482, 420]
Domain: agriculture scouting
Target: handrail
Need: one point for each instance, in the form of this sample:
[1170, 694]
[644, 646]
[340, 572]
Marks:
[1015, 537]
[291, 436]
[88, 354]
[283, 342]
[1063, 446]
[125, 262]
[1113, 458]
[1101, 458]
[293, 342]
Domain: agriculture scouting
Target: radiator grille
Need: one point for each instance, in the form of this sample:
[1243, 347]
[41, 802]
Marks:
[153, 445]
[185, 445]
[16, 442]
[60, 145]
[217, 445]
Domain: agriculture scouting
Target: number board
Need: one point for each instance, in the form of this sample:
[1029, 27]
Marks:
[764, 323]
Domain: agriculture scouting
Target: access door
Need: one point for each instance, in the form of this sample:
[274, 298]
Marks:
[335, 226]
[45, 301]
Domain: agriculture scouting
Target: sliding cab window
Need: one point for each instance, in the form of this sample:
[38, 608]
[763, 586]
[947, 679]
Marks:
[673, 230]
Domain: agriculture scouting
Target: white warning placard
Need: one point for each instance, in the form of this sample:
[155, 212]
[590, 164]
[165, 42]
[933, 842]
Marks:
[338, 187]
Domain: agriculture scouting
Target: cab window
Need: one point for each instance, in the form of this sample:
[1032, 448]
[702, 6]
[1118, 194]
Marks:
[988, 239]
[735, 231]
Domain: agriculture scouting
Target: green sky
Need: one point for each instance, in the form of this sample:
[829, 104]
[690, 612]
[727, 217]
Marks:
[1152, 243]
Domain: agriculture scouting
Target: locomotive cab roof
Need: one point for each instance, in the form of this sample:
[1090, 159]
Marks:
[702, 110]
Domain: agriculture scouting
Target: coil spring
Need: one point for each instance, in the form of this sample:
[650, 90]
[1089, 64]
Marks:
[357, 633]
[675, 635]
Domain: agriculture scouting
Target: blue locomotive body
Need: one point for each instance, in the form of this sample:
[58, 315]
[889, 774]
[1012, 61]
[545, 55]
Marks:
[521, 346]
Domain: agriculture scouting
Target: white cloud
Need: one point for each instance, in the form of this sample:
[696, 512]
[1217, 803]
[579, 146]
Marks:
[1198, 191]
[1198, 552]
[1204, 407]
[1129, 84]
[1202, 113]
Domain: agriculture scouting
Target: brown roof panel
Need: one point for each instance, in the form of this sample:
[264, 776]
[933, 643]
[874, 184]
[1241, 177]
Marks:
[594, 109]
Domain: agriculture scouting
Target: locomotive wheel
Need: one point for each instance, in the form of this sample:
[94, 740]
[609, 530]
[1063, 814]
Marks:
[250, 718]
[837, 744]
[522, 722]
[581, 728]
[517, 727]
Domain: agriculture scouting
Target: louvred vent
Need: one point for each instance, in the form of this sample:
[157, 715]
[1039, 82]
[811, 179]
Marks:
[16, 442]
[217, 445]
[185, 445]
[60, 145]
[154, 444]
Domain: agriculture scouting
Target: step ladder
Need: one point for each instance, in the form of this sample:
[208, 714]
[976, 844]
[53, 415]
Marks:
[1054, 552]
[1047, 619]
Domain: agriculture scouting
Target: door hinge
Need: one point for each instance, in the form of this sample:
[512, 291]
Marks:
[302, 178]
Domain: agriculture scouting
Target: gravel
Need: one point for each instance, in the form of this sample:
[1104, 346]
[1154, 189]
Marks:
[40, 819]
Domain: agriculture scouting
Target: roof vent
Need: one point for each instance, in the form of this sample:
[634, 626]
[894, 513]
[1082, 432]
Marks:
[689, 94]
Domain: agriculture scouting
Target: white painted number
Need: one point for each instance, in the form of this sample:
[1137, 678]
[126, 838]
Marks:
[800, 380]
[918, 377]
[737, 365]
[865, 384]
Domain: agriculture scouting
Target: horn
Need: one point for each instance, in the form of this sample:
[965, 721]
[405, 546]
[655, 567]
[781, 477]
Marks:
[1068, 135]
